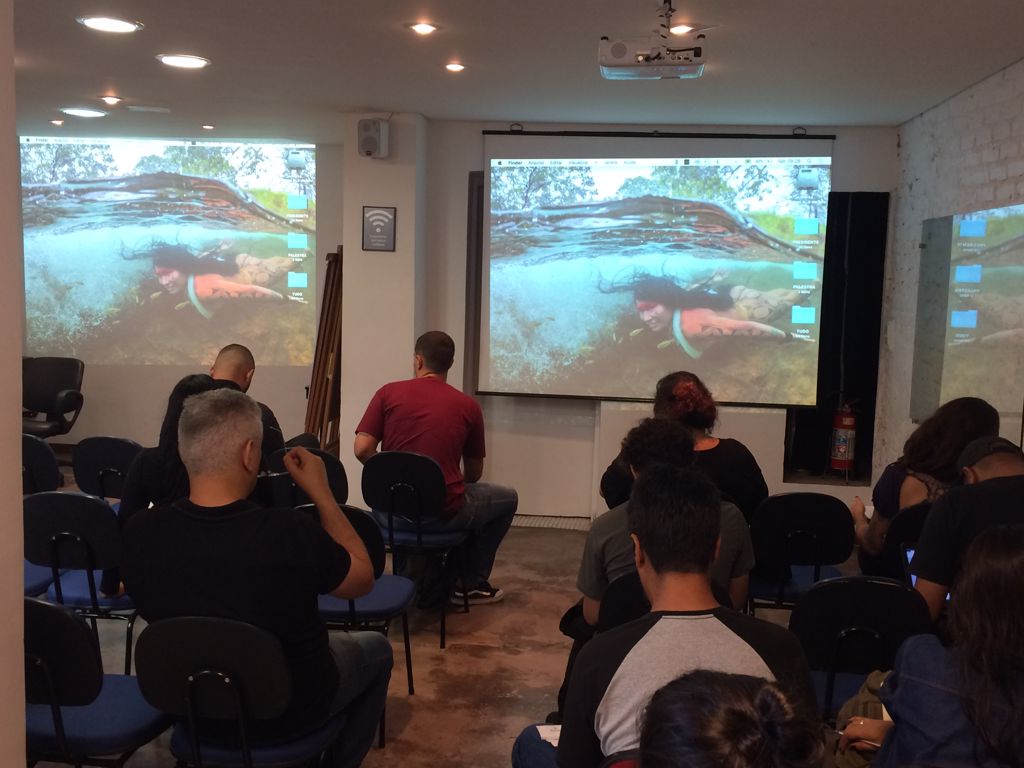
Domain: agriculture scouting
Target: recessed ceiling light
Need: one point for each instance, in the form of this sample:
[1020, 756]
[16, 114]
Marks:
[209, 127]
[183, 60]
[111, 100]
[57, 122]
[110, 24]
[681, 29]
[423, 28]
[83, 112]
[454, 67]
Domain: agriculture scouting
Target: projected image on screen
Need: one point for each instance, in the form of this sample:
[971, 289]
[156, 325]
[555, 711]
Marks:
[161, 252]
[606, 274]
[985, 328]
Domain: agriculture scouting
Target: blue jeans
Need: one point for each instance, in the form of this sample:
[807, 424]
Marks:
[487, 510]
[364, 663]
[531, 751]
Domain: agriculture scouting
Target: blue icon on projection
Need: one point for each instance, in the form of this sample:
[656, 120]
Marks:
[805, 270]
[972, 228]
[968, 273]
[806, 227]
[298, 280]
[297, 241]
[964, 318]
[297, 202]
[803, 315]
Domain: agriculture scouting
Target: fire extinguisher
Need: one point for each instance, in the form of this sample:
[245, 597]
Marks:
[844, 438]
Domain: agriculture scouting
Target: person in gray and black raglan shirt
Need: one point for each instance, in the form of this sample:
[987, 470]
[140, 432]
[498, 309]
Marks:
[674, 523]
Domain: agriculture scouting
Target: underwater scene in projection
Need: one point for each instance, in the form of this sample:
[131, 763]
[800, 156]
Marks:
[984, 354]
[607, 274]
[162, 252]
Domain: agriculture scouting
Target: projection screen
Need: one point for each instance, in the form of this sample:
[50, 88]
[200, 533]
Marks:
[609, 262]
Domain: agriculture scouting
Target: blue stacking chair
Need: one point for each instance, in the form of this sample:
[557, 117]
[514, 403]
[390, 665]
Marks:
[798, 538]
[79, 533]
[39, 468]
[391, 597]
[410, 488]
[75, 714]
[101, 464]
[852, 625]
[203, 668]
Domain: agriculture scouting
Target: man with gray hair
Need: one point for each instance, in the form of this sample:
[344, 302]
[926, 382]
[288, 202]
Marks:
[217, 554]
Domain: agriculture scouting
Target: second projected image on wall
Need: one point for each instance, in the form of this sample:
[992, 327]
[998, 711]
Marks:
[605, 274]
[161, 252]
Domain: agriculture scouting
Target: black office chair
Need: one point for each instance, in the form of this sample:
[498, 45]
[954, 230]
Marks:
[624, 600]
[101, 464]
[904, 531]
[851, 626]
[75, 714]
[797, 537]
[336, 477]
[408, 489]
[80, 533]
[39, 468]
[51, 386]
[202, 668]
[390, 599]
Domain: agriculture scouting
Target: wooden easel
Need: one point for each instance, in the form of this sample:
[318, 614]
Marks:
[323, 407]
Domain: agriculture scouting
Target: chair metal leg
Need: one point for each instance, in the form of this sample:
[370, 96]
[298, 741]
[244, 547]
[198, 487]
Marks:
[443, 613]
[408, 651]
[465, 579]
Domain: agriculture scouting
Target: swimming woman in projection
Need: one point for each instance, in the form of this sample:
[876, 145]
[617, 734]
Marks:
[212, 275]
[703, 311]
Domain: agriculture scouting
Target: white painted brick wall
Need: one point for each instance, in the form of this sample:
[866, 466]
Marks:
[963, 155]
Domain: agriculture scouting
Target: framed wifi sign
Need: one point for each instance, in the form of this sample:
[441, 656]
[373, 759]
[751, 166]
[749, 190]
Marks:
[378, 228]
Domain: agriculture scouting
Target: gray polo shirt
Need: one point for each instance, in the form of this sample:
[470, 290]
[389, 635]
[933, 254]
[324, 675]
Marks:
[608, 552]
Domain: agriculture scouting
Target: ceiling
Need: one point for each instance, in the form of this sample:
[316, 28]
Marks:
[290, 68]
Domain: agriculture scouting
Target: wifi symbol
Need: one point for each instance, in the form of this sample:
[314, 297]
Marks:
[378, 218]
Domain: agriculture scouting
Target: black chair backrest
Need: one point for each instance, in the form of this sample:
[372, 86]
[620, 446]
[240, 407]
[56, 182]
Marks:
[404, 484]
[802, 529]
[367, 530]
[101, 464]
[857, 623]
[904, 531]
[71, 530]
[39, 468]
[623, 601]
[62, 657]
[43, 378]
[235, 669]
[336, 476]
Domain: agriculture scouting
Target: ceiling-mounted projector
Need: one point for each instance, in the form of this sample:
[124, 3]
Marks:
[651, 58]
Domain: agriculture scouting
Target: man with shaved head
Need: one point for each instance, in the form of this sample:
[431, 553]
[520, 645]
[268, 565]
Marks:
[234, 369]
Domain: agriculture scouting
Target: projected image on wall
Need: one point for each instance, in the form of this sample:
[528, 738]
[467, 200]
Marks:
[161, 252]
[985, 313]
[605, 274]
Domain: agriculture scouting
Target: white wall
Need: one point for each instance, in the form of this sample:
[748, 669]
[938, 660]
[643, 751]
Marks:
[12, 303]
[553, 451]
[963, 155]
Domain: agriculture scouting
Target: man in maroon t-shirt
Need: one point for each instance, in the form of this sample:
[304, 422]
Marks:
[427, 415]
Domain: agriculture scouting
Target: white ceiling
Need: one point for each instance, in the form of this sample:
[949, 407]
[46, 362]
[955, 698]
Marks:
[289, 68]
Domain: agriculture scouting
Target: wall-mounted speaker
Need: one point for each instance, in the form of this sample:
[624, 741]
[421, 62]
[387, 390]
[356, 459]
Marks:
[373, 137]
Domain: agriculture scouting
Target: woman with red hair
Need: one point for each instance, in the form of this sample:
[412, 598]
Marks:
[684, 397]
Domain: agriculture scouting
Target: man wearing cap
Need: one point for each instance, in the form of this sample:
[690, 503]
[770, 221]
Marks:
[993, 475]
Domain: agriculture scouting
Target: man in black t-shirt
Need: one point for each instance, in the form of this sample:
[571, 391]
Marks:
[216, 554]
[234, 368]
[993, 494]
[674, 522]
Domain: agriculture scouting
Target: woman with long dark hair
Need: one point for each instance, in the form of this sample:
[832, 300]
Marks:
[927, 468]
[682, 396]
[961, 705]
[715, 720]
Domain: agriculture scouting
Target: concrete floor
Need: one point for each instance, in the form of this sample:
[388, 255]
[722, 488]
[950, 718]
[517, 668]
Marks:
[500, 671]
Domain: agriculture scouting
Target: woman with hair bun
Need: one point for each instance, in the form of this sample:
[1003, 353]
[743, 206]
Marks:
[710, 719]
[684, 397]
